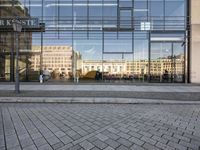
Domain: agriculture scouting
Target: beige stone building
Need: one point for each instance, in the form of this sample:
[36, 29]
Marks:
[7, 42]
[194, 58]
[54, 58]
[136, 68]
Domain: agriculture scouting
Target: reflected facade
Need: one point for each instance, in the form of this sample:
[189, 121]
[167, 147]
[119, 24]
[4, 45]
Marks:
[98, 40]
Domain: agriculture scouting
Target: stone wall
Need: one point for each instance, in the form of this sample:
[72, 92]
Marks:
[195, 41]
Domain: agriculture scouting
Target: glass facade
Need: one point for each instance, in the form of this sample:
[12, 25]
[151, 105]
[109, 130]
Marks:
[98, 40]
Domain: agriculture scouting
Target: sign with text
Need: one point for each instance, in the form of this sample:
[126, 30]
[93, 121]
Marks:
[28, 24]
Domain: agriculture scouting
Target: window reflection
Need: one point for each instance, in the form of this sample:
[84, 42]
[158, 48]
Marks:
[101, 40]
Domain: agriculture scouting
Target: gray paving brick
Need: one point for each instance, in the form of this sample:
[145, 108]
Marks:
[109, 148]
[53, 140]
[45, 147]
[64, 127]
[40, 141]
[123, 135]
[113, 130]
[155, 132]
[76, 137]
[99, 144]
[86, 145]
[101, 137]
[190, 145]
[65, 147]
[170, 138]
[146, 134]
[181, 137]
[166, 132]
[149, 140]
[60, 134]
[177, 146]
[31, 147]
[112, 136]
[95, 148]
[136, 147]
[162, 140]
[136, 141]
[92, 139]
[123, 129]
[150, 147]
[122, 148]
[124, 142]
[75, 147]
[57, 145]
[135, 134]
[112, 143]
[3, 147]
[65, 139]
[164, 146]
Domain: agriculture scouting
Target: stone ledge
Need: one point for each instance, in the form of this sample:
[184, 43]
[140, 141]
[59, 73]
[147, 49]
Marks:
[91, 100]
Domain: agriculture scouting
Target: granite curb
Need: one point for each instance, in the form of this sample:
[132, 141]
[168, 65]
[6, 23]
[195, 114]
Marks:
[91, 100]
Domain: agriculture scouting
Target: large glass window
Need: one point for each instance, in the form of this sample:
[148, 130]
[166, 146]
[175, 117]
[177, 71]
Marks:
[125, 3]
[175, 14]
[167, 62]
[86, 36]
[175, 8]
[51, 13]
[118, 42]
[156, 8]
[141, 55]
[141, 8]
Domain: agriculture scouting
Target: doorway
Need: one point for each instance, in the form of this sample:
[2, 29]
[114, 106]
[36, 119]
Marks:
[167, 62]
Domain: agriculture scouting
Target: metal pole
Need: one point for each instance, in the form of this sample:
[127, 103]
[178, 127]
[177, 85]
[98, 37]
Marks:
[17, 64]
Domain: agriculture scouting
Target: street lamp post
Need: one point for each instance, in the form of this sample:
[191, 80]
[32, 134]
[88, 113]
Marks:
[17, 27]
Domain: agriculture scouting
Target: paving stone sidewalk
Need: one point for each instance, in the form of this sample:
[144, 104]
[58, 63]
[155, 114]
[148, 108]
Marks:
[182, 96]
[95, 127]
[182, 92]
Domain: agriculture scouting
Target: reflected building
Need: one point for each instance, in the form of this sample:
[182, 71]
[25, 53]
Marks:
[8, 45]
[56, 60]
[147, 40]
[137, 70]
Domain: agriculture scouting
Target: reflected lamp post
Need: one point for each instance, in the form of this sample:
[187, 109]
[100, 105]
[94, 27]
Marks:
[17, 28]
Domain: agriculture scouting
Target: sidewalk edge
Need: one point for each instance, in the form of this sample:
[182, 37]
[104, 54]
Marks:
[91, 100]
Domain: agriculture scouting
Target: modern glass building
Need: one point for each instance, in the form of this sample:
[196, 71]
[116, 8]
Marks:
[98, 40]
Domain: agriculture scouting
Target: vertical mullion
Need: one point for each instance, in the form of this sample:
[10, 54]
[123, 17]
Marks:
[41, 54]
[58, 23]
[164, 13]
[172, 62]
[72, 19]
[149, 62]
[118, 18]
[102, 38]
[12, 73]
[88, 18]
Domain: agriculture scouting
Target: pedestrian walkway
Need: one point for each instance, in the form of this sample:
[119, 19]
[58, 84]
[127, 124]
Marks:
[91, 93]
[105, 87]
[99, 127]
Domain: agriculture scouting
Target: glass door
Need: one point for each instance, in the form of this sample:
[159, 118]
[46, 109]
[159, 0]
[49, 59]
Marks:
[178, 62]
[167, 61]
[161, 62]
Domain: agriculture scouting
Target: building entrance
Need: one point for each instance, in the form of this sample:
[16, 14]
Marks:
[167, 61]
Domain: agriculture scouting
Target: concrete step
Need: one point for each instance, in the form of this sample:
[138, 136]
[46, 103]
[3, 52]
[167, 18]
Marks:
[91, 100]
[178, 96]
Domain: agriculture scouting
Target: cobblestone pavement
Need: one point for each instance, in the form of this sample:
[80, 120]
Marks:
[94, 127]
